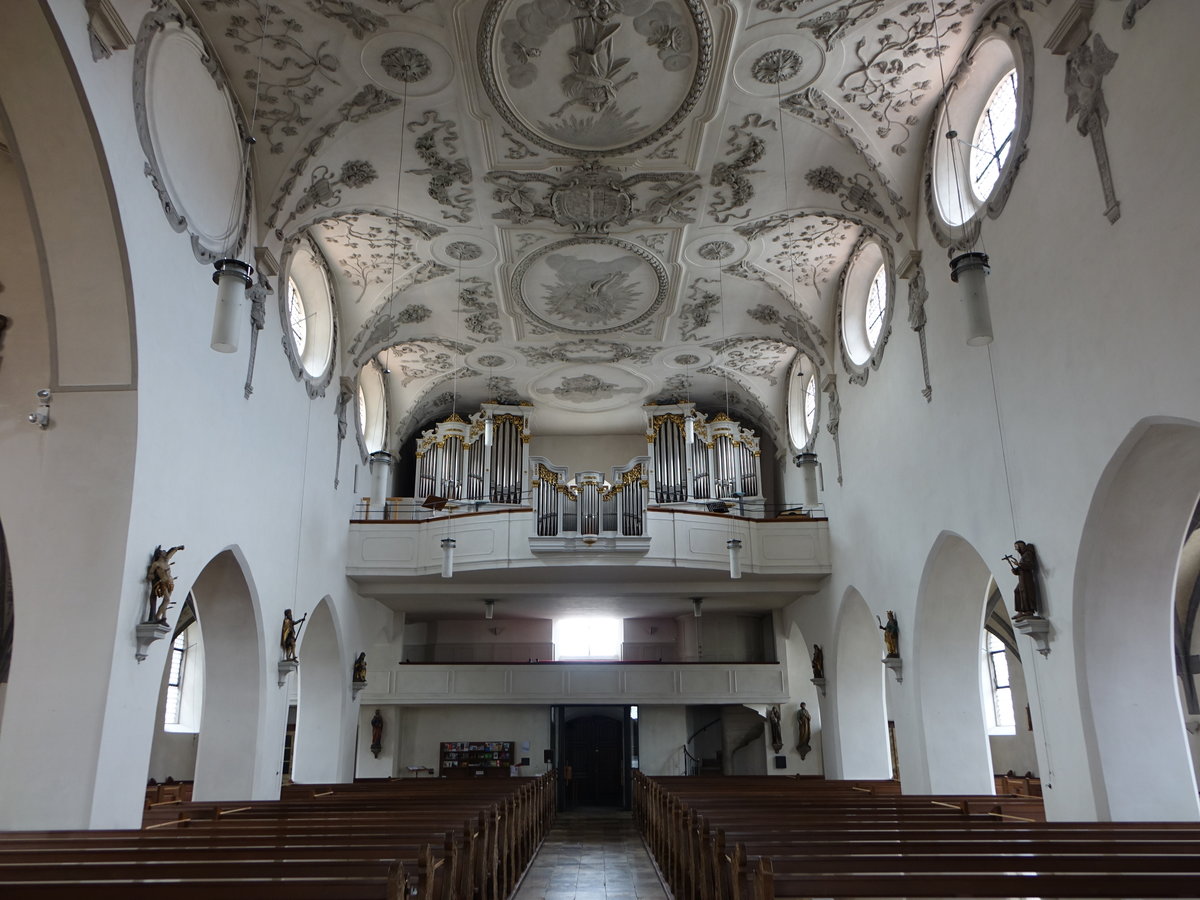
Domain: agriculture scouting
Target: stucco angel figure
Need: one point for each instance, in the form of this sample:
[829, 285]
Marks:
[162, 582]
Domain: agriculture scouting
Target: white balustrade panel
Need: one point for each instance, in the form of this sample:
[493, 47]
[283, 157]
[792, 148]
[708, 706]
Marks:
[417, 683]
[507, 539]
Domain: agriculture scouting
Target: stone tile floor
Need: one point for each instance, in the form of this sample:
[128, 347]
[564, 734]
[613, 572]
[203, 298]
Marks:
[592, 854]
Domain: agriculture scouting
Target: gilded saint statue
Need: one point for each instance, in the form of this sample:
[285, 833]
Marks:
[359, 672]
[162, 583]
[287, 635]
[774, 720]
[818, 661]
[891, 635]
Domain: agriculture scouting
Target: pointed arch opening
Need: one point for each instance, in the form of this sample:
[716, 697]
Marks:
[858, 693]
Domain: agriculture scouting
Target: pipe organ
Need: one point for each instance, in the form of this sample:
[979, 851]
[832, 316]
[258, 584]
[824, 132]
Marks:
[722, 462]
[484, 460]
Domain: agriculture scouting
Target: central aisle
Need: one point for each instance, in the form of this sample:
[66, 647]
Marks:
[592, 855]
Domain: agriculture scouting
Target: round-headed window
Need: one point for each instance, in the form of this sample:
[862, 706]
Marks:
[308, 318]
[802, 402]
[877, 305]
[978, 138]
[297, 318]
[993, 136]
[372, 407]
[866, 305]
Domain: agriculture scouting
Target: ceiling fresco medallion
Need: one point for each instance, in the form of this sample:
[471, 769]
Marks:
[590, 77]
[591, 388]
[590, 285]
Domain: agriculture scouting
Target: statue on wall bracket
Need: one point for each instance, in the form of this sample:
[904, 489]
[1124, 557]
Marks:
[162, 583]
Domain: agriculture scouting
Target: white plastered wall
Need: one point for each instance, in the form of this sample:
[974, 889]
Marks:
[213, 470]
[1095, 328]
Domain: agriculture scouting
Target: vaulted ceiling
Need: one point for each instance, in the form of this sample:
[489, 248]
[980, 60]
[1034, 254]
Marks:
[588, 204]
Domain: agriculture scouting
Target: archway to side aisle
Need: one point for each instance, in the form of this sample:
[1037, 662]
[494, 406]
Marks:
[1125, 583]
[324, 691]
[857, 693]
[230, 738]
[950, 612]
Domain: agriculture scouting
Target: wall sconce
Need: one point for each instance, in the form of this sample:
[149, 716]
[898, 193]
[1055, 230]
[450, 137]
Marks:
[41, 416]
[448, 545]
[697, 603]
[489, 608]
[970, 269]
[232, 277]
[735, 561]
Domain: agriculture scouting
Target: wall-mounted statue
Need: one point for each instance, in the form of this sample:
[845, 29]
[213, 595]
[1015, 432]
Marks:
[891, 635]
[162, 583]
[775, 721]
[377, 733]
[803, 730]
[359, 672]
[288, 633]
[818, 661]
[1027, 599]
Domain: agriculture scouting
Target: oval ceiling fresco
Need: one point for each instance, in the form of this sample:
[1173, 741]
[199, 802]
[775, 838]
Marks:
[590, 285]
[591, 77]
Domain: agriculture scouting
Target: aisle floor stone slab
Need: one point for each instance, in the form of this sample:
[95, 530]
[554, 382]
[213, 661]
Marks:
[592, 855]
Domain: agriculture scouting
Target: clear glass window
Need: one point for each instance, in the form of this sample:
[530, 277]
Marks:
[1001, 690]
[297, 318]
[588, 637]
[877, 301]
[362, 410]
[810, 405]
[993, 136]
[175, 679]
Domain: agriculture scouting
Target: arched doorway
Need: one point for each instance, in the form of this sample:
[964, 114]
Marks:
[229, 742]
[1124, 603]
[324, 688]
[950, 613]
[858, 693]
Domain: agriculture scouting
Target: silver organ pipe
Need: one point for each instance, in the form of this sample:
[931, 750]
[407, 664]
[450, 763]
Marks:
[701, 489]
[670, 460]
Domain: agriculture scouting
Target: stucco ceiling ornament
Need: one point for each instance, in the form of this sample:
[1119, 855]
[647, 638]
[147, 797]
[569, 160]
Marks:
[464, 251]
[590, 285]
[437, 146]
[715, 251]
[591, 198]
[854, 192]
[592, 51]
[886, 80]
[590, 351]
[406, 64]
[697, 312]
[777, 66]
[476, 298]
[815, 107]
[797, 330]
[746, 149]
[295, 74]
[367, 103]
